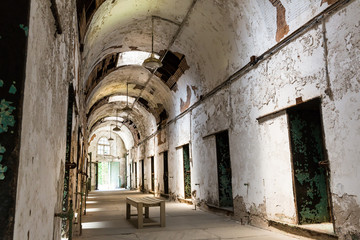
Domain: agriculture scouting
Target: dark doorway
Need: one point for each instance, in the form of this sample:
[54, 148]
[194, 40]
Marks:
[136, 174]
[224, 169]
[310, 168]
[142, 176]
[187, 172]
[130, 175]
[152, 174]
[166, 173]
[97, 176]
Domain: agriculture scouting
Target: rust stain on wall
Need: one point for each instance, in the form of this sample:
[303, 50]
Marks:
[185, 105]
[282, 26]
[329, 2]
[92, 138]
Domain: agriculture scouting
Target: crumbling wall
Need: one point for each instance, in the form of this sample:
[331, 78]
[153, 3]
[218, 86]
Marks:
[306, 68]
[50, 67]
[341, 116]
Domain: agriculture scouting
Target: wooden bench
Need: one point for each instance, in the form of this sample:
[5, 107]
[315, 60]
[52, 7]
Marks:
[146, 202]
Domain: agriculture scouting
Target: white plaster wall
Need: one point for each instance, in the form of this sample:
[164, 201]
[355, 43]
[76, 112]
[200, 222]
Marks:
[277, 179]
[50, 66]
[341, 117]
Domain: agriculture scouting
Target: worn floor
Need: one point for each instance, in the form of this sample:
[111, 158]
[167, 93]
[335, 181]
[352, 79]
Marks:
[105, 220]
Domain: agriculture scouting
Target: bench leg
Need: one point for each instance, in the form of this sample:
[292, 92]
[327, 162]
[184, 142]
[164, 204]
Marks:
[127, 211]
[162, 214]
[146, 212]
[140, 215]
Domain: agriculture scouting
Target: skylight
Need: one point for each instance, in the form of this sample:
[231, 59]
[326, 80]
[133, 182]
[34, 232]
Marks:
[114, 119]
[121, 98]
[133, 58]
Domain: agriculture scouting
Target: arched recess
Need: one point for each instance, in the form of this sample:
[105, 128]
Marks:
[155, 96]
[139, 119]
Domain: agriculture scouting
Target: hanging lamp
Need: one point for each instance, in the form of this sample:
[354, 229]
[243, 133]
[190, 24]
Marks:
[110, 138]
[127, 108]
[152, 62]
[116, 129]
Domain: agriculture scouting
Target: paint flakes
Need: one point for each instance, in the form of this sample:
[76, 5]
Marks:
[329, 2]
[282, 26]
[25, 28]
[6, 117]
[3, 169]
[185, 105]
[12, 89]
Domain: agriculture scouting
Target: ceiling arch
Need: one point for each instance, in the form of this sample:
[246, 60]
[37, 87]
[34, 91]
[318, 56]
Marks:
[141, 121]
[124, 135]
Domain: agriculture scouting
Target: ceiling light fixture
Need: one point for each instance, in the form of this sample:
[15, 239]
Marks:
[110, 138]
[152, 62]
[127, 108]
[116, 129]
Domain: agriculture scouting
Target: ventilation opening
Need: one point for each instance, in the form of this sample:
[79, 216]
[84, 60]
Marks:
[174, 65]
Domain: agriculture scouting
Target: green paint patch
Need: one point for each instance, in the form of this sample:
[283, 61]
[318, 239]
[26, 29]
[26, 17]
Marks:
[2, 150]
[6, 115]
[12, 89]
[25, 28]
[3, 169]
[1, 83]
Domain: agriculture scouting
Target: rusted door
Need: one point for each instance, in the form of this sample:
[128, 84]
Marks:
[187, 173]
[310, 173]
[166, 173]
[136, 175]
[224, 169]
[152, 174]
[142, 176]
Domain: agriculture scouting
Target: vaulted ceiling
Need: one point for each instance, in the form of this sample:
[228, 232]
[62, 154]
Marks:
[200, 43]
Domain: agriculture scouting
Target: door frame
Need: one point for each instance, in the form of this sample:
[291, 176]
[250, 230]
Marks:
[167, 171]
[328, 171]
[217, 165]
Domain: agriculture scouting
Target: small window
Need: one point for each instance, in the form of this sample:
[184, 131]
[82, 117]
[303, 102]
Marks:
[103, 147]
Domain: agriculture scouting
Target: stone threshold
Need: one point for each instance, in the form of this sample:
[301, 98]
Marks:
[301, 231]
[185, 200]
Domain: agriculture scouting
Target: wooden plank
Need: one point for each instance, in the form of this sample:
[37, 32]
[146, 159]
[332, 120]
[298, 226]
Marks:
[140, 215]
[162, 214]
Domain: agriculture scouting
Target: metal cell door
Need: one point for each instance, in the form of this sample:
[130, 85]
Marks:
[309, 168]
[224, 169]
[166, 173]
[187, 172]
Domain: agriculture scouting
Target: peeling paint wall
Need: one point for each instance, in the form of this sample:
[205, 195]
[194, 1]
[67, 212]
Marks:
[307, 68]
[341, 117]
[51, 63]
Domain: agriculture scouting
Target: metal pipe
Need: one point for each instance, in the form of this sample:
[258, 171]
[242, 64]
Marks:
[69, 215]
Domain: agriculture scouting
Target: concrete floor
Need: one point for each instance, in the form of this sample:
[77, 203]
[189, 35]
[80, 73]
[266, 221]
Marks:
[105, 220]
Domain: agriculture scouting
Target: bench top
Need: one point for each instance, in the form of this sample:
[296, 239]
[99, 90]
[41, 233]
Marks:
[149, 201]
